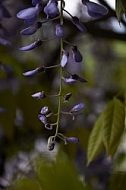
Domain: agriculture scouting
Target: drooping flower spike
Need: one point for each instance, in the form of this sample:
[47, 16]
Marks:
[95, 10]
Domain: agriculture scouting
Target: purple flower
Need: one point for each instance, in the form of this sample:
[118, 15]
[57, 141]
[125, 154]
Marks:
[43, 119]
[34, 72]
[31, 21]
[39, 95]
[76, 108]
[95, 10]
[78, 24]
[30, 73]
[76, 54]
[64, 59]
[31, 46]
[71, 140]
[45, 111]
[32, 29]
[51, 9]
[60, 32]
[29, 13]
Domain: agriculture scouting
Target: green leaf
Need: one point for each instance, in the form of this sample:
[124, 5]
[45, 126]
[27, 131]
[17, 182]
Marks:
[60, 174]
[114, 123]
[95, 143]
[120, 8]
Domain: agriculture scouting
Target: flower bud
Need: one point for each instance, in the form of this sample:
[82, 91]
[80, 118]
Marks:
[51, 143]
[64, 59]
[43, 119]
[60, 32]
[76, 108]
[45, 111]
[32, 29]
[39, 95]
[76, 54]
[31, 46]
[69, 80]
[30, 73]
[34, 72]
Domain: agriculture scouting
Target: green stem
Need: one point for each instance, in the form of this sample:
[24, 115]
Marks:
[61, 72]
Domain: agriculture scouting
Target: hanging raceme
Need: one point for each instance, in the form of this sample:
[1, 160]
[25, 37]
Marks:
[54, 10]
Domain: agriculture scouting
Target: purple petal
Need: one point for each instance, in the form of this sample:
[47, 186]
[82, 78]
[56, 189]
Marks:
[45, 111]
[30, 73]
[64, 59]
[31, 20]
[60, 32]
[38, 95]
[43, 119]
[69, 80]
[51, 9]
[77, 108]
[32, 29]
[77, 55]
[28, 13]
[95, 10]
[31, 46]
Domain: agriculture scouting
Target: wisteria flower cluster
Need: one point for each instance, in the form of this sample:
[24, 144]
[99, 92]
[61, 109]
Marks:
[54, 10]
